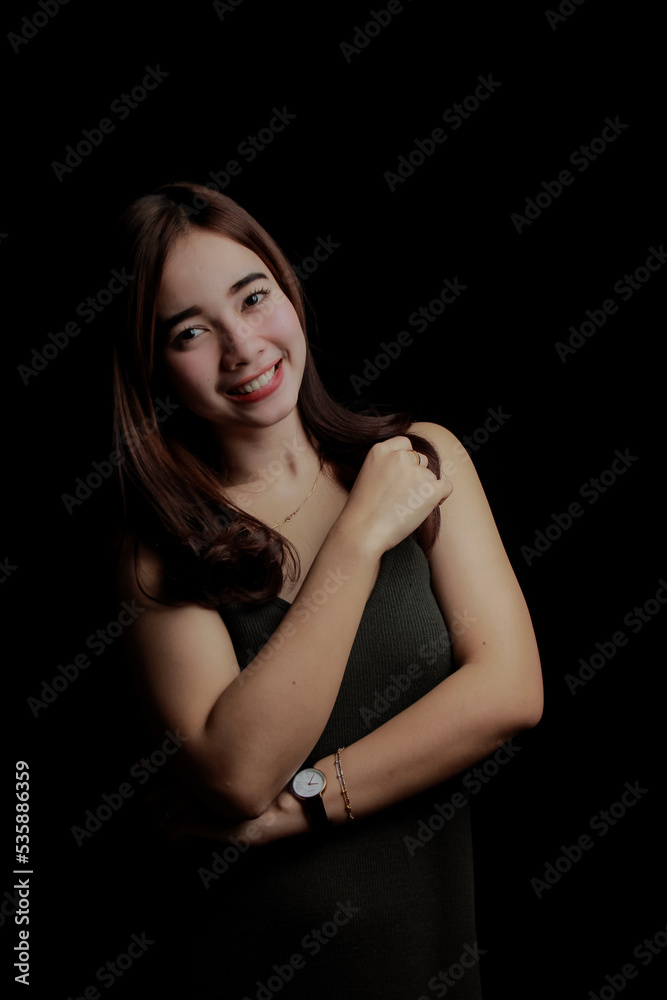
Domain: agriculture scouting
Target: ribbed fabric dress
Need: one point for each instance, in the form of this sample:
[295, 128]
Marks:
[378, 908]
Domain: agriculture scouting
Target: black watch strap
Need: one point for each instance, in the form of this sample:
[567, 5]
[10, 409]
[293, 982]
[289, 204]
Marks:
[317, 812]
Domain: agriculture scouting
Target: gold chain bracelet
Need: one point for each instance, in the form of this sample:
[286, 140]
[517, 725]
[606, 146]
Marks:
[341, 781]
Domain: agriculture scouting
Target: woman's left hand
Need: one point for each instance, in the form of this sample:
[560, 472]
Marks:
[181, 815]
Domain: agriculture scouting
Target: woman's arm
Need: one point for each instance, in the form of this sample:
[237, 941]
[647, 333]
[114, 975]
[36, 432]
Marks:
[246, 733]
[495, 693]
[497, 689]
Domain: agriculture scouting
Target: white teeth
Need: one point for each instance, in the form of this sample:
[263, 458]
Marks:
[257, 383]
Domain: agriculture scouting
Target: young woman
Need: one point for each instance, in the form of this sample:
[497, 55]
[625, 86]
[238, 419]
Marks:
[332, 651]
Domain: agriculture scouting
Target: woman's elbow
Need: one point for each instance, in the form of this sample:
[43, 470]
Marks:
[531, 715]
[237, 798]
[525, 710]
[232, 797]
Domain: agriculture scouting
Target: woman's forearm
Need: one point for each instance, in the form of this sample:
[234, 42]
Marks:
[462, 720]
[466, 717]
[266, 722]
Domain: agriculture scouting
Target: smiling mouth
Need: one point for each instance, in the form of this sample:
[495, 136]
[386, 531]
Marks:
[256, 383]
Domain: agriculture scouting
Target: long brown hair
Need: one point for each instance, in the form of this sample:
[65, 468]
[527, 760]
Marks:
[169, 470]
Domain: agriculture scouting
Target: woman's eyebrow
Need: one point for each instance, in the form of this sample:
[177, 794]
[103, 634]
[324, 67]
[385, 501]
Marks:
[242, 282]
[164, 326]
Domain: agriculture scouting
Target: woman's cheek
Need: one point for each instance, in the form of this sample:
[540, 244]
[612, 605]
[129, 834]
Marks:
[192, 379]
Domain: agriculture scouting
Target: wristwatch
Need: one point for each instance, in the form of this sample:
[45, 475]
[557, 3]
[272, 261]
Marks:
[307, 785]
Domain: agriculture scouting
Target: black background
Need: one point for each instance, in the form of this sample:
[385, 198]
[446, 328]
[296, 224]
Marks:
[323, 176]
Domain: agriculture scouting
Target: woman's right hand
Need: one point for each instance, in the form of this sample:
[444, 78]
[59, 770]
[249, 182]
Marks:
[391, 495]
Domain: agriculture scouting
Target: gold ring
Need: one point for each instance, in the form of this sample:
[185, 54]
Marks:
[417, 456]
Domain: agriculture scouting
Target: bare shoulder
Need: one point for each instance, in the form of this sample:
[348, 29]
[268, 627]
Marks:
[427, 428]
[181, 655]
[448, 446]
[471, 574]
[466, 512]
[139, 568]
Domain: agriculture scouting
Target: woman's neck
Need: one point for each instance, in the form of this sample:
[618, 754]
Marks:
[276, 459]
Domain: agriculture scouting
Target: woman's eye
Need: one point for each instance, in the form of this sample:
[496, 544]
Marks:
[255, 297]
[187, 336]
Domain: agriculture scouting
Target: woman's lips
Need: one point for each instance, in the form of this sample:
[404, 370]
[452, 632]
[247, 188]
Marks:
[265, 390]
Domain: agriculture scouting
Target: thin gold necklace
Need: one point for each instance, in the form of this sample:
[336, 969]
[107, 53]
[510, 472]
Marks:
[290, 516]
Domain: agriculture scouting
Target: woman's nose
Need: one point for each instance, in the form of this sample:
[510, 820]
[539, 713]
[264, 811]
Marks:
[240, 342]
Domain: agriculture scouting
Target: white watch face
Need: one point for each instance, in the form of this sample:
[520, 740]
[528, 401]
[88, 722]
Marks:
[309, 782]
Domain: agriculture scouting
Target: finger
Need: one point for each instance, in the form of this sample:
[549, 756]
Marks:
[422, 460]
[448, 487]
[399, 443]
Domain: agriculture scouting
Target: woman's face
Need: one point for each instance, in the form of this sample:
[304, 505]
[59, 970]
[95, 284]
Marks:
[222, 323]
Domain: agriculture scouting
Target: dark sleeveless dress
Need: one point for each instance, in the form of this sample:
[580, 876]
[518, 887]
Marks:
[379, 908]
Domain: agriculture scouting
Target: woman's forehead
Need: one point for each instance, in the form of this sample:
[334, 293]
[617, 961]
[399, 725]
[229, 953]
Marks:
[201, 258]
[203, 247]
